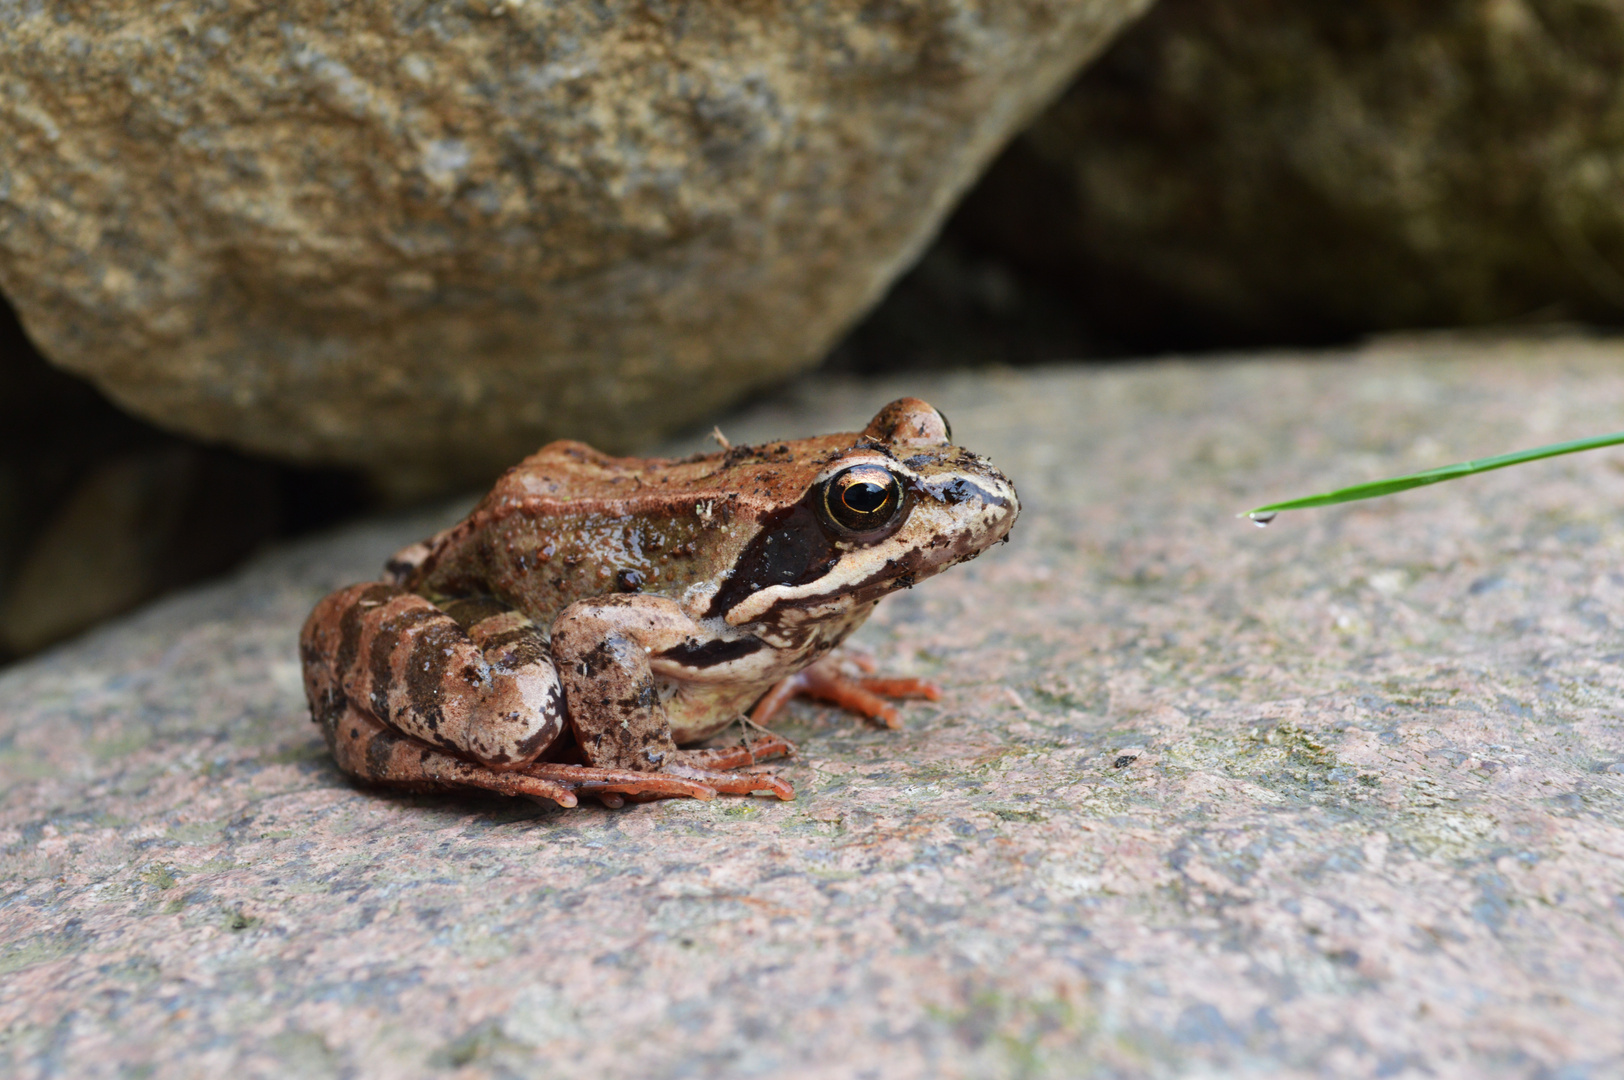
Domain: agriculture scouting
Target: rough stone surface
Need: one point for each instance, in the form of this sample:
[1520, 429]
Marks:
[1340, 798]
[1271, 169]
[424, 237]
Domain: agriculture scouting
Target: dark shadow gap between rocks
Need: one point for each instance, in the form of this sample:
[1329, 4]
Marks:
[100, 511]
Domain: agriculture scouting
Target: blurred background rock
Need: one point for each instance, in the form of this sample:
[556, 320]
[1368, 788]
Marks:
[1264, 171]
[359, 264]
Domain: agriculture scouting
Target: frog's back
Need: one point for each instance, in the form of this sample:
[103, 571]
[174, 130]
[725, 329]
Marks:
[569, 523]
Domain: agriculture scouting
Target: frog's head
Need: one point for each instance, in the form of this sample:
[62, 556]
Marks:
[883, 510]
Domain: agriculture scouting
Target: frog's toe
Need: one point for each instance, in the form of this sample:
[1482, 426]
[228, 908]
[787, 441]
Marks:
[722, 758]
[739, 782]
[861, 694]
[902, 688]
[584, 779]
[733, 770]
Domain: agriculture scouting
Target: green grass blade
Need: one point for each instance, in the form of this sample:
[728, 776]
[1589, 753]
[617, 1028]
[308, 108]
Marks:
[1433, 476]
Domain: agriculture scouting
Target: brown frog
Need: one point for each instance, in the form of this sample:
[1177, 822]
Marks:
[593, 612]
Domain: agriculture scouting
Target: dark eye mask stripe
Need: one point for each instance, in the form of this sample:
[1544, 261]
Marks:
[792, 549]
[795, 547]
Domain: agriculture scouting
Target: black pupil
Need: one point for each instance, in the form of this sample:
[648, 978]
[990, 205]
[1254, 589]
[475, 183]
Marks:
[865, 497]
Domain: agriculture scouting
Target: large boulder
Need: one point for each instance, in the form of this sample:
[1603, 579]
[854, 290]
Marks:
[424, 237]
[1267, 170]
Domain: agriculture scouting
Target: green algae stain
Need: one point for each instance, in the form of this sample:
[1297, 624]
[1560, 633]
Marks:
[159, 875]
[486, 1044]
[305, 1053]
[306, 752]
[29, 953]
[236, 920]
[1029, 816]
[1292, 750]
[1018, 1036]
[196, 832]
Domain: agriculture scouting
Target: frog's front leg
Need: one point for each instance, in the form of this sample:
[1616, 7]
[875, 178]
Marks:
[603, 648]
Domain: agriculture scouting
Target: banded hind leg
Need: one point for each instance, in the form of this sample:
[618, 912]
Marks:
[416, 695]
[421, 696]
[474, 678]
[370, 751]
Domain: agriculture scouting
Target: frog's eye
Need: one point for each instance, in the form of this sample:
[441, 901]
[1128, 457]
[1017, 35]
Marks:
[862, 499]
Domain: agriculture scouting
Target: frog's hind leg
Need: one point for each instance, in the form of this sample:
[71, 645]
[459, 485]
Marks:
[472, 678]
[697, 774]
[373, 753]
[736, 769]
[861, 694]
[464, 694]
[727, 770]
[675, 780]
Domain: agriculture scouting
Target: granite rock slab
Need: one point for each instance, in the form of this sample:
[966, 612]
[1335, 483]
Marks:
[1342, 797]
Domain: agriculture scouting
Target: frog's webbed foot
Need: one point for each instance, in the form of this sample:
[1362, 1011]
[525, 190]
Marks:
[728, 770]
[745, 753]
[735, 770]
[695, 774]
[858, 692]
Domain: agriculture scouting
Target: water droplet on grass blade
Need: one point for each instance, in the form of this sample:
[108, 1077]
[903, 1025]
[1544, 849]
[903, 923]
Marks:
[1262, 520]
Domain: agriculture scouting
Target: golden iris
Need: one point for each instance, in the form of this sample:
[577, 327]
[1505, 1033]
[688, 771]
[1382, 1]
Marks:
[863, 498]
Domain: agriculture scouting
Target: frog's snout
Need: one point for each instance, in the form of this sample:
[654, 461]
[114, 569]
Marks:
[1011, 511]
[1002, 507]
[982, 507]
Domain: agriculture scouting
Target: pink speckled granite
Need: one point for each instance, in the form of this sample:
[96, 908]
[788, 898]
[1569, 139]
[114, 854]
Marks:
[1340, 798]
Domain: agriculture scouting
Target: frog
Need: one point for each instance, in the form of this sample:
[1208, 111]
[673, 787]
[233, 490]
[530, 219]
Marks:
[595, 617]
